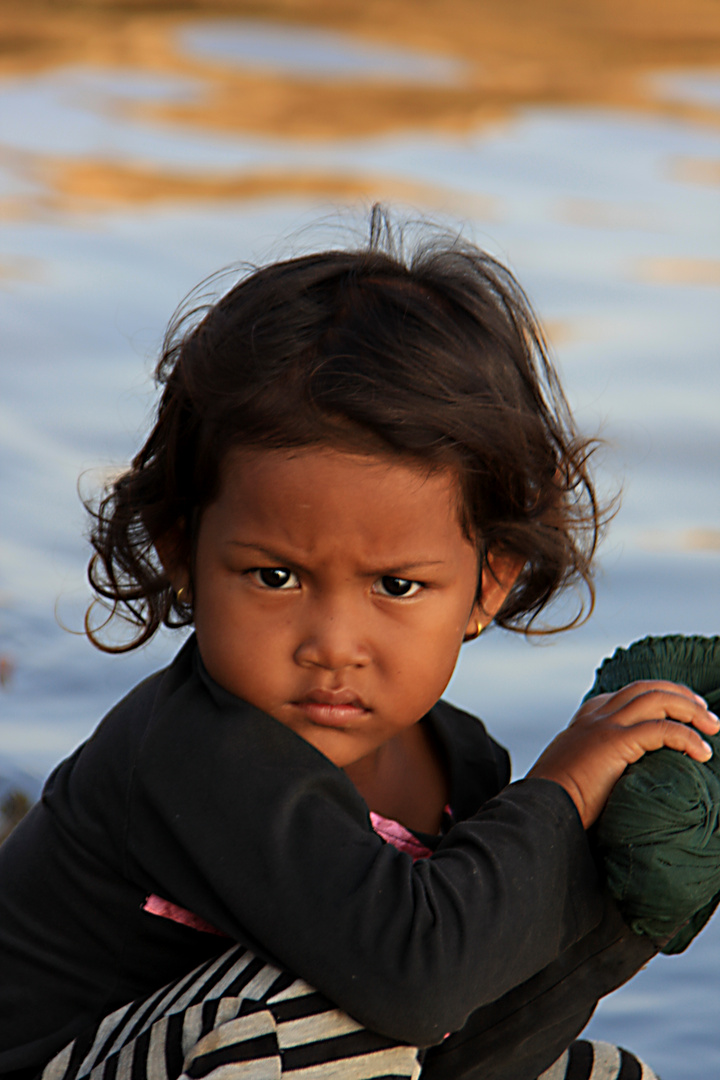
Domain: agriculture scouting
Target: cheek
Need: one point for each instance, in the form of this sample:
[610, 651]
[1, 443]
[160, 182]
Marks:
[238, 663]
[426, 662]
[247, 645]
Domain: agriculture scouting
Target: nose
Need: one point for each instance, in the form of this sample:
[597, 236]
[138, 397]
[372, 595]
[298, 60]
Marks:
[331, 638]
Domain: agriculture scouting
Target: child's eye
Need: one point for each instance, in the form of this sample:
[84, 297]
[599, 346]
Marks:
[396, 586]
[275, 577]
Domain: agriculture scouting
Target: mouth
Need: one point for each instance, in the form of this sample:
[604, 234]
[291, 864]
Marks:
[332, 708]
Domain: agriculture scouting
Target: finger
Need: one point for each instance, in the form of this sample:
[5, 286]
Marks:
[657, 704]
[644, 686]
[654, 734]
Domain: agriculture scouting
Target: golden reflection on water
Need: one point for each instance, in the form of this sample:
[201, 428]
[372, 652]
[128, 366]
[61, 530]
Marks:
[591, 213]
[697, 172]
[707, 540]
[101, 185]
[680, 271]
[520, 52]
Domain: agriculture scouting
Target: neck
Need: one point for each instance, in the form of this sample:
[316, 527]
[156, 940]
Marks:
[404, 779]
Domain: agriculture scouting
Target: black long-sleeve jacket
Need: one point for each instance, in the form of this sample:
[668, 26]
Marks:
[187, 792]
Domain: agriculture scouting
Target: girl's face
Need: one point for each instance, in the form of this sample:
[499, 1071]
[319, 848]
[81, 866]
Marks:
[333, 590]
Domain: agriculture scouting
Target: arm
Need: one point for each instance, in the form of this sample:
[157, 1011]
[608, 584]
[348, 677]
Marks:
[291, 867]
[238, 819]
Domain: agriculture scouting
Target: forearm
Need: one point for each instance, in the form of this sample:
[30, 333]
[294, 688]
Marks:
[422, 946]
[293, 869]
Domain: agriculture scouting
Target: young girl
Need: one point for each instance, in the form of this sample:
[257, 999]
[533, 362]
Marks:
[284, 855]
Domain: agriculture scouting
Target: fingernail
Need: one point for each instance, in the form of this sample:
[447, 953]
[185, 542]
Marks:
[700, 700]
[714, 717]
[708, 747]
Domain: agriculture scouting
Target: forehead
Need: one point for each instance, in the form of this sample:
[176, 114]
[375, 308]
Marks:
[375, 502]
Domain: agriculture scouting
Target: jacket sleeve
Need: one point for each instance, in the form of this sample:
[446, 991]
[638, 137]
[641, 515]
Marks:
[235, 817]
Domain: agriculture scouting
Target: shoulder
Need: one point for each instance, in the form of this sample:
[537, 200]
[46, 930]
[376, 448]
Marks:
[479, 766]
[468, 733]
[127, 723]
[95, 778]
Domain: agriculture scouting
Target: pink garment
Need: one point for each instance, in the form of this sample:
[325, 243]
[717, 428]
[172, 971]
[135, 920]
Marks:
[155, 905]
[401, 838]
[392, 832]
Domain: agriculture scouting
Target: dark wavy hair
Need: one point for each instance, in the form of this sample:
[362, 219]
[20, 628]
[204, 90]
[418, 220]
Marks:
[432, 355]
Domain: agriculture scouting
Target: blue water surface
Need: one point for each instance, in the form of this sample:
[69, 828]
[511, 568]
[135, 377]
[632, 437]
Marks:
[616, 250]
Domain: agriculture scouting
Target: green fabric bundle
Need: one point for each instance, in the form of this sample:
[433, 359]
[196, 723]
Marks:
[659, 835]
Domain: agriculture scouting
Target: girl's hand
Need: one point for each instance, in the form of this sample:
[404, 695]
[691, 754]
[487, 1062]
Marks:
[611, 731]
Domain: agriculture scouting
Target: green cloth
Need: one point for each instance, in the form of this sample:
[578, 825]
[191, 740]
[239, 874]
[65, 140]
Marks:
[659, 835]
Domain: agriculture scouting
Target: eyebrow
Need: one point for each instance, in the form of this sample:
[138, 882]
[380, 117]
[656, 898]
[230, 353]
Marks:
[413, 565]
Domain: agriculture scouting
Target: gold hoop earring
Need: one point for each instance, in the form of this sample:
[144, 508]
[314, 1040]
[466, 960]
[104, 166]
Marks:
[178, 594]
[478, 632]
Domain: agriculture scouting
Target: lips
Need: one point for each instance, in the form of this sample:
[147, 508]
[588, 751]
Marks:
[332, 708]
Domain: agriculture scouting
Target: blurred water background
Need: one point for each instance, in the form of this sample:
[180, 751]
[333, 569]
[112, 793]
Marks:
[144, 146]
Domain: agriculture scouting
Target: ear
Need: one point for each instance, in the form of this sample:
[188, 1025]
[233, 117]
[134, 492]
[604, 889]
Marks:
[170, 548]
[499, 574]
